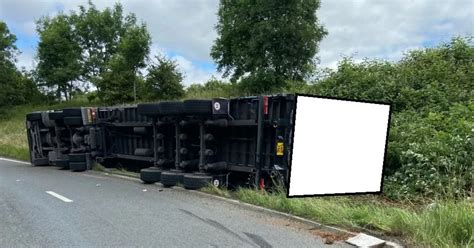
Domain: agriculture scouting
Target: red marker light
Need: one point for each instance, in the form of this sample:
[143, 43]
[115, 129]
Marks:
[262, 184]
[93, 112]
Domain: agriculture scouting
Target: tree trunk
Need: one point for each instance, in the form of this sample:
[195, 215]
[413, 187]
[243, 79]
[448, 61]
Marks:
[58, 93]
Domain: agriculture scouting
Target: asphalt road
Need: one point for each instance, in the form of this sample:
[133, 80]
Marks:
[48, 207]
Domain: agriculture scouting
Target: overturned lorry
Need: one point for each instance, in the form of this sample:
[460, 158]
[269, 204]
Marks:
[194, 143]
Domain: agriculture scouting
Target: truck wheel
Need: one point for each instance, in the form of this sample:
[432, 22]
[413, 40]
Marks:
[196, 181]
[150, 175]
[198, 107]
[62, 163]
[46, 121]
[73, 121]
[171, 178]
[170, 108]
[150, 109]
[56, 115]
[77, 166]
[35, 116]
[39, 161]
[77, 157]
[72, 112]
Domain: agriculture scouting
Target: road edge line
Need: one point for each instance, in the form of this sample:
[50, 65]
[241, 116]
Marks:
[14, 160]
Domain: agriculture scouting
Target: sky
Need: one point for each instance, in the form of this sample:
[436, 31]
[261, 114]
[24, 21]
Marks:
[184, 29]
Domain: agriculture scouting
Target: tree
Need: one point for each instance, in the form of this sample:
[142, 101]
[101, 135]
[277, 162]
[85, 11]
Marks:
[8, 50]
[59, 55]
[16, 87]
[119, 80]
[271, 41]
[110, 35]
[7, 66]
[163, 81]
[99, 34]
[93, 45]
[116, 84]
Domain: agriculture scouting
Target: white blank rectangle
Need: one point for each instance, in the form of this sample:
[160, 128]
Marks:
[338, 146]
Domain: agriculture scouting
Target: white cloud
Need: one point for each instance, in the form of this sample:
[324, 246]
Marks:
[192, 73]
[184, 27]
[358, 28]
[26, 59]
[386, 29]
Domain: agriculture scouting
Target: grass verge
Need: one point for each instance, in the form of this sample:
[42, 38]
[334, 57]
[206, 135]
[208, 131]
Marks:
[446, 224]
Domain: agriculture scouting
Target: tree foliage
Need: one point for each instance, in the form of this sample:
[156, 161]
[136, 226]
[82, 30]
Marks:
[119, 81]
[116, 84]
[267, 42]
[59, 55]
[8, 50]
[92, 46]
[99, 35]
[164, 80]
[16, 87]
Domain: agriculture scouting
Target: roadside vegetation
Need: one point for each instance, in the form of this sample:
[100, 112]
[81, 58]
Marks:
[426, 223]
[429, 184]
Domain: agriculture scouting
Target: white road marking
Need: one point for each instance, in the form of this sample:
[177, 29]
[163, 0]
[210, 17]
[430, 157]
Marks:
[60, 197]
[15, 161]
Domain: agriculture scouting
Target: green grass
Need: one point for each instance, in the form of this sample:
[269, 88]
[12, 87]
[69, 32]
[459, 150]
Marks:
[98, 167]
[448, 224]
[124, 172]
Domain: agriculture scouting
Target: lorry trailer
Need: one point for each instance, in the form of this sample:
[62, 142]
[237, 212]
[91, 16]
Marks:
[194, 142]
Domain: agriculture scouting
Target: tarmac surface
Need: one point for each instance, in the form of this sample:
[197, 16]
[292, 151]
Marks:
[49, 207]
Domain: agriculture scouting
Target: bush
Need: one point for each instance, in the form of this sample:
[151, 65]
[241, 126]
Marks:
[164, 81]
[431, 92]
[213, 88]
[435, 153]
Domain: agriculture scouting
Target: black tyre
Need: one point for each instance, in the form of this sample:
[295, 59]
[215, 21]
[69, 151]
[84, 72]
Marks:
[72, 112]
[39, 161]
[73, 121]
[56, 115]
[77, 166]
[170, 108]
[150, 109]
[35, 116]
[63, 163]
[198, 107]
[150, 175]
[171, 178]
[46, 121]
[77, 157]
[196, 181]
